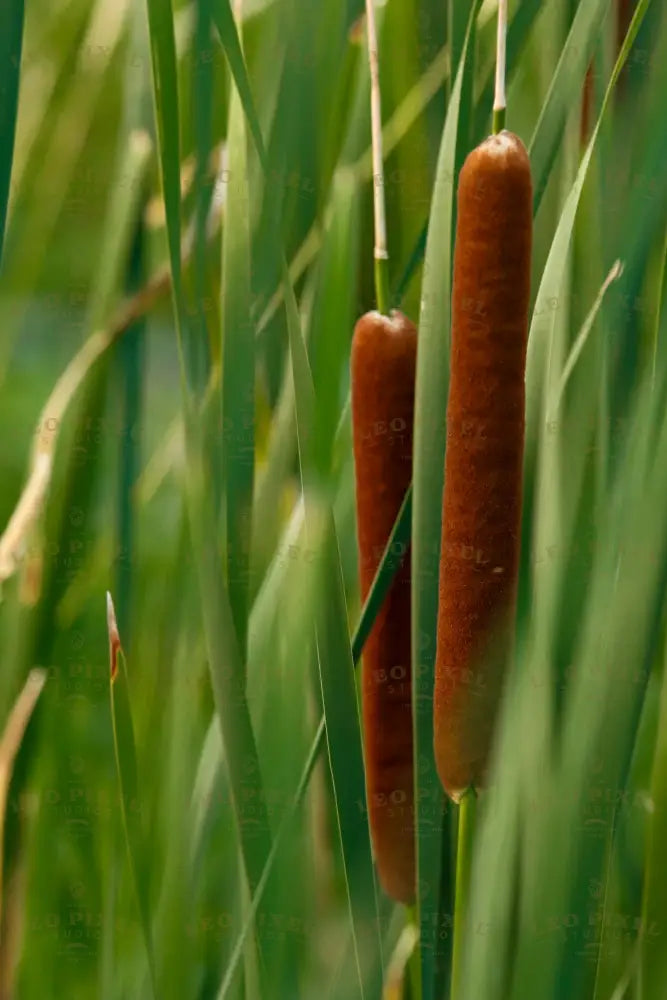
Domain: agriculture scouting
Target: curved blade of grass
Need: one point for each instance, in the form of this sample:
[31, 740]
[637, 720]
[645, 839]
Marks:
[225, 659]
[223, 19]
[285, 823]
[336, 665]
[458, 16]
[11, 41]
[227, 674]
[343, 731]
[390, 563]
[132, 358]
[202, 111]
[212, 751]
[238, 373]
[429, 451]
[628, 586]
[126, 766]
[546, 303]
[580, 341]
[333, 314]
[165, 93]
[564, 91]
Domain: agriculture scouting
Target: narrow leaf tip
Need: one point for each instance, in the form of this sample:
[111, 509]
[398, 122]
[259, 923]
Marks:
[114, 637]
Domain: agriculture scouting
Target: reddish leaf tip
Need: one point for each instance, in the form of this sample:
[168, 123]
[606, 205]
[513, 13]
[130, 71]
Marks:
[114, 637]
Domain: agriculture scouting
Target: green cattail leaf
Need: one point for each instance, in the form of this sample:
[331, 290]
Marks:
[238, 372]
[549, 293]
[223, 19]
[338, 689]
[564, 91]
[336, 667]
[165, 94]
[349, 777]
[226, 667]
[11, 42]
[429, 451]
[130, 800]
[225, 657]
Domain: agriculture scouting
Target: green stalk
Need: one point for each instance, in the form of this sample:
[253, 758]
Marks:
[382, 294]
[498, 120]
[467, 813]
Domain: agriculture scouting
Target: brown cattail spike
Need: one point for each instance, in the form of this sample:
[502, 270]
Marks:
[384, 350]
[484, 454]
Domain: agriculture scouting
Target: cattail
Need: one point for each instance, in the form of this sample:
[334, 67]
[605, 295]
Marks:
[484, 454]
[384, 351]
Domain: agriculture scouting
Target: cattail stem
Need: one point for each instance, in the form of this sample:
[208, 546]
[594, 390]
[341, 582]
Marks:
[467, 813]
[413, 973]
[381, 256]
[500, 100]
[382, 284]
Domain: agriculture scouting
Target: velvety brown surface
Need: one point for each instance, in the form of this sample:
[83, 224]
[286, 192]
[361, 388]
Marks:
[484, 456]
[384, 351]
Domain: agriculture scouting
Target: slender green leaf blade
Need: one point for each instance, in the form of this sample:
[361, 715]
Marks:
[429, 451]
[238, 373]
[564, 91]
[11, 42]
[126, 765]
[165, 93]
[223, 19]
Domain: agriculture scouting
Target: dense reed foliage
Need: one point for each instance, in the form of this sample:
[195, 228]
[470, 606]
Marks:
[188, 196]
